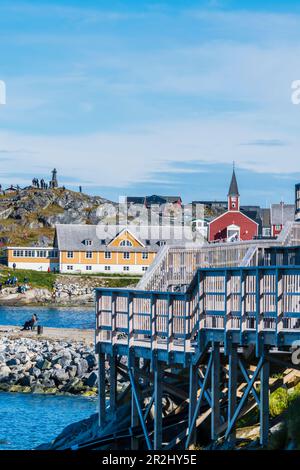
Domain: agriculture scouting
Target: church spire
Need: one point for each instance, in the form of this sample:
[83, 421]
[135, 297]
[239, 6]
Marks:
[233, 188]
[233, 193]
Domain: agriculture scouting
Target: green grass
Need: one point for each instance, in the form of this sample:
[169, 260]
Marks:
[279, 401]
[46, 280]
[35, 278]
[121, 282]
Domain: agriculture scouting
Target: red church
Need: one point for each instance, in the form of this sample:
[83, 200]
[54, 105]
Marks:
[233, 225]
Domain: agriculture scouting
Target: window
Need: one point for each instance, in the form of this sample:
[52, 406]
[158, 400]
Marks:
[88, 268]
[107, 255]
[70, 268]
[144, 255]
[125, 243]
[70, 254]
[88, 242]
[29, 253]
[89, 254]
[126, 255]
[17, 253]
[106, 268]
[277, 227]
[125, 268]
[41, 254]
[144, 268]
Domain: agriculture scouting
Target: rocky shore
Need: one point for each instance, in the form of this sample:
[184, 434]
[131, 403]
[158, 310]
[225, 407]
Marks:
[67, 291]
[47, 366]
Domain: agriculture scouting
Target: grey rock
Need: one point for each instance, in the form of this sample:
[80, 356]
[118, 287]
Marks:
[2, 358]
[82, 367]
[72, 370]
[43, 364]
[35, 371]
[4, 372]
[27, 381]
[64, 362]
[60, 376]
[13, 362]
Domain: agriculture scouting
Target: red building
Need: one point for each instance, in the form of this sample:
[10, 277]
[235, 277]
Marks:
[233, 224]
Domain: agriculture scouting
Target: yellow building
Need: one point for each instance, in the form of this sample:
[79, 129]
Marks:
[88, 249]
[98, 248]
[36, 258]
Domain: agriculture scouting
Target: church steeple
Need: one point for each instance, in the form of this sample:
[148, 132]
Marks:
[233, 194]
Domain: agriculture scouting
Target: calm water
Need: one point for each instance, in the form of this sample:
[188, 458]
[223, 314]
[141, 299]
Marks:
[30, 420]
[53, 317]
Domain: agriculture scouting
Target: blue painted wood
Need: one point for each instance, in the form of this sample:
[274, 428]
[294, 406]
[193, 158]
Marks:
[199, 335]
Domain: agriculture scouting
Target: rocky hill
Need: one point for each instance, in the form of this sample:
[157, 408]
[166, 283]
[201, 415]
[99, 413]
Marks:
[28, 216]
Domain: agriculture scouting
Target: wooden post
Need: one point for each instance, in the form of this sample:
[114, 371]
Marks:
[215, 389]
[157, 406]
[193, 397]
[264, 403]
[101, 390]
[134, 409]
[232, 387]
[113, 384]
[279, 301]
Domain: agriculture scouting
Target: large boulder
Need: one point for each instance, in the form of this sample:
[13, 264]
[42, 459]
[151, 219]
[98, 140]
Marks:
[60, 376]
[82, 366]
[4, 373]
[14, 361]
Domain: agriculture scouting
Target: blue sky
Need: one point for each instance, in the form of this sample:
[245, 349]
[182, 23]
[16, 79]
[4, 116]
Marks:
[135, 97]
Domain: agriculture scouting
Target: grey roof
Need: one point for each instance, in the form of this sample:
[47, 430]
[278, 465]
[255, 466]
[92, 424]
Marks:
[151, 200]
[282, 213]
[135, 199]
[72, 237]
[156, 199]
[233, 188]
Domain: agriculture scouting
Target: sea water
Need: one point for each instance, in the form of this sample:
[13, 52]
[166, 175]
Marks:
[52, 317]
[28, 420]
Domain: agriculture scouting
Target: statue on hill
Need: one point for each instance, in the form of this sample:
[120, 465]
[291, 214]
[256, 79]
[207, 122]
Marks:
[53, 183]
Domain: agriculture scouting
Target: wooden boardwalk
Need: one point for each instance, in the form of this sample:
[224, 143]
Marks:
[222, 313]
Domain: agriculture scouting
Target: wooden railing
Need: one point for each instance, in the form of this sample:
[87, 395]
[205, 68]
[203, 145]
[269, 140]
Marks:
[175, 266]
[218, 301]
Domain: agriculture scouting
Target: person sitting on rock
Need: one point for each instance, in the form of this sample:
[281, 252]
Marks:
[30, 324]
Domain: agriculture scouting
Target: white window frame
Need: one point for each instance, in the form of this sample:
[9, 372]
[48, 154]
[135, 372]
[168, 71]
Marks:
[70, 254]
[107, 255]
[126, 255]
[125, 243]
[88, 254]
